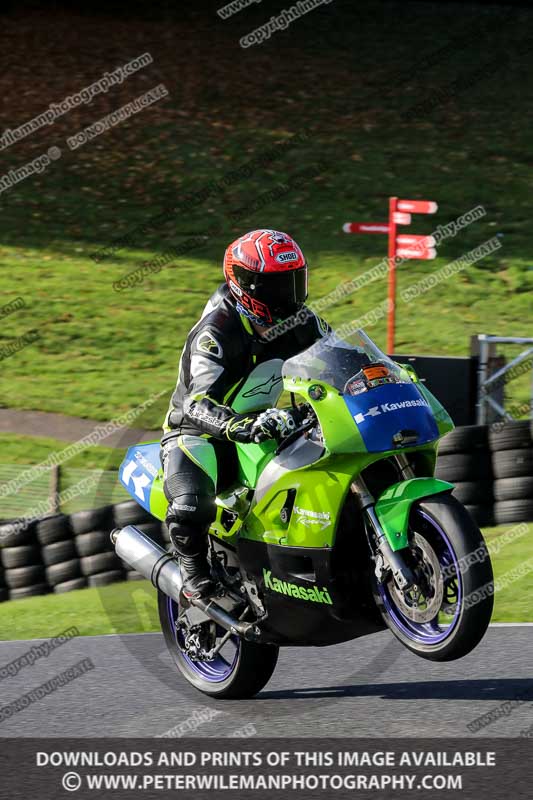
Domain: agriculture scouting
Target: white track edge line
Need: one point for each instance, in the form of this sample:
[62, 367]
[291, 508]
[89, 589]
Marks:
[159, 633]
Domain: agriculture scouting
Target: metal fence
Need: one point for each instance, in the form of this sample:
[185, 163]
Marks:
[488, 384]
[51, 489]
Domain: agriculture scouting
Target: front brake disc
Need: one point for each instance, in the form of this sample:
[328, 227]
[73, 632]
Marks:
[423, 602]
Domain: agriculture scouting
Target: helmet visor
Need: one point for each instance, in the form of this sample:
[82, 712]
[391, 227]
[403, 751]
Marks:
[282, 292]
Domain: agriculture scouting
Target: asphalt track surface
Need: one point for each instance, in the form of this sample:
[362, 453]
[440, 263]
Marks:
[69, 429]
[370, 687]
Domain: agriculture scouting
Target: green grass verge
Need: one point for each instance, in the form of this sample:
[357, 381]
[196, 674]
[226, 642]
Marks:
[130, 607]
[17, 449]
[127, 607]
[514, 601]
[101, 352]
[101, 463]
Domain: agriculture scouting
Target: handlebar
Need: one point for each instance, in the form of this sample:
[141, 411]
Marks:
[302, 429]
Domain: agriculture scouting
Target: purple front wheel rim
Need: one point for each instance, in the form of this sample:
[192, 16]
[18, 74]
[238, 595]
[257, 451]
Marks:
[429, 633]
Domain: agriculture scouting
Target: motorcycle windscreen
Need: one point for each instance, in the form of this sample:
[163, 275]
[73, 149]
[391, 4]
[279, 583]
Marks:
[392, 416]
[138, 471]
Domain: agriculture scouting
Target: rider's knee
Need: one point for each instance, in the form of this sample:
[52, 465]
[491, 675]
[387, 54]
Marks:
[192, 510]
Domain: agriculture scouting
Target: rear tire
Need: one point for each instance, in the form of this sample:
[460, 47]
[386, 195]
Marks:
[251, 671]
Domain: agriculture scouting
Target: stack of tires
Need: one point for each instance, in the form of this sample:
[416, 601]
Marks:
[464, 459]
[99, 564]
[60, 553]
[3, 589]
[512, 462]
[131, 513]
[54, 535]
[22, 564]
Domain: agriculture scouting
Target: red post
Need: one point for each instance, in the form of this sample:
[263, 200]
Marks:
[391, 316]
[403, 246]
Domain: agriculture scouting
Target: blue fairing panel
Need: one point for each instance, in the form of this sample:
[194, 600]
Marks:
[138, 471]
[385, 410]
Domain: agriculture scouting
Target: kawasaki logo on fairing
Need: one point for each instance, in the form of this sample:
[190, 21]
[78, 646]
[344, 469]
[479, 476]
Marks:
[404, 404]
[314, 594]
[386, 407]
[309, 518]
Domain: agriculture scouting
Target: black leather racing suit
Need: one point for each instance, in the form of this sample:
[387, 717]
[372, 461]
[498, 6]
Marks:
[219, 354]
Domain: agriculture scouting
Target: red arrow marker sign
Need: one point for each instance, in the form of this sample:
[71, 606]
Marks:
[399, 246]
[417, 206]
[415, 241]
[425, 253]
[401, 219]
[365, 227]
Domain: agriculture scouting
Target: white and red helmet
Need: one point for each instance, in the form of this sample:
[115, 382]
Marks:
[266, 273]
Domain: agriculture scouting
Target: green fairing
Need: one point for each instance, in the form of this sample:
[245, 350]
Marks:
[442, 418]
[340, 432]
[253, 458]
[321, 487]
[394, 505]
[158, 501]
[318, 488]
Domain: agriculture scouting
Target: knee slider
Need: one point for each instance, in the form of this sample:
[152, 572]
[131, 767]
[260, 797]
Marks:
[192, 510]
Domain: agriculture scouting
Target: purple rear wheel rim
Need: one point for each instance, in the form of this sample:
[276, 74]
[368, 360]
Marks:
[429, 633]
[214, 671]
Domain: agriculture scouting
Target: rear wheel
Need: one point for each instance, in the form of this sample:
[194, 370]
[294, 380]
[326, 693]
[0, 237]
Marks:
[240, 670]
[447, 613]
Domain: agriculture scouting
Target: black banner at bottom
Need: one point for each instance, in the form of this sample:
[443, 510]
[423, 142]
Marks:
[266, 768]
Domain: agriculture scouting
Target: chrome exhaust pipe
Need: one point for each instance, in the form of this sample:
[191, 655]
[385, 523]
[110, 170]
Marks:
[159, 567]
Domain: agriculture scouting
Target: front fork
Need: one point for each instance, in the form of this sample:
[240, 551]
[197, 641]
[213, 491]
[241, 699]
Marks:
[386, 559]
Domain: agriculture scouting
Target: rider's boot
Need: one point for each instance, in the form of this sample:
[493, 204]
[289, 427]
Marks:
[191, 549]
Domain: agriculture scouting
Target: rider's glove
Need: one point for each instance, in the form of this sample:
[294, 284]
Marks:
[239, 428]
[274, 423]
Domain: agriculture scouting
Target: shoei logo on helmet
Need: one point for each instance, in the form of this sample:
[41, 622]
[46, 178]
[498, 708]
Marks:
[284, 257]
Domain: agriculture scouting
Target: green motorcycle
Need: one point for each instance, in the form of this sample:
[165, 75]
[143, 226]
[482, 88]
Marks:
[336, 533]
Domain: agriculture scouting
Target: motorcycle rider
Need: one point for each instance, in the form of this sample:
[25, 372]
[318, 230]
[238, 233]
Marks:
[265, 283]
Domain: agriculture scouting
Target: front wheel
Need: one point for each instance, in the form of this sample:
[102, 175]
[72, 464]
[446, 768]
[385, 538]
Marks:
[447, 613]
[240, 670]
